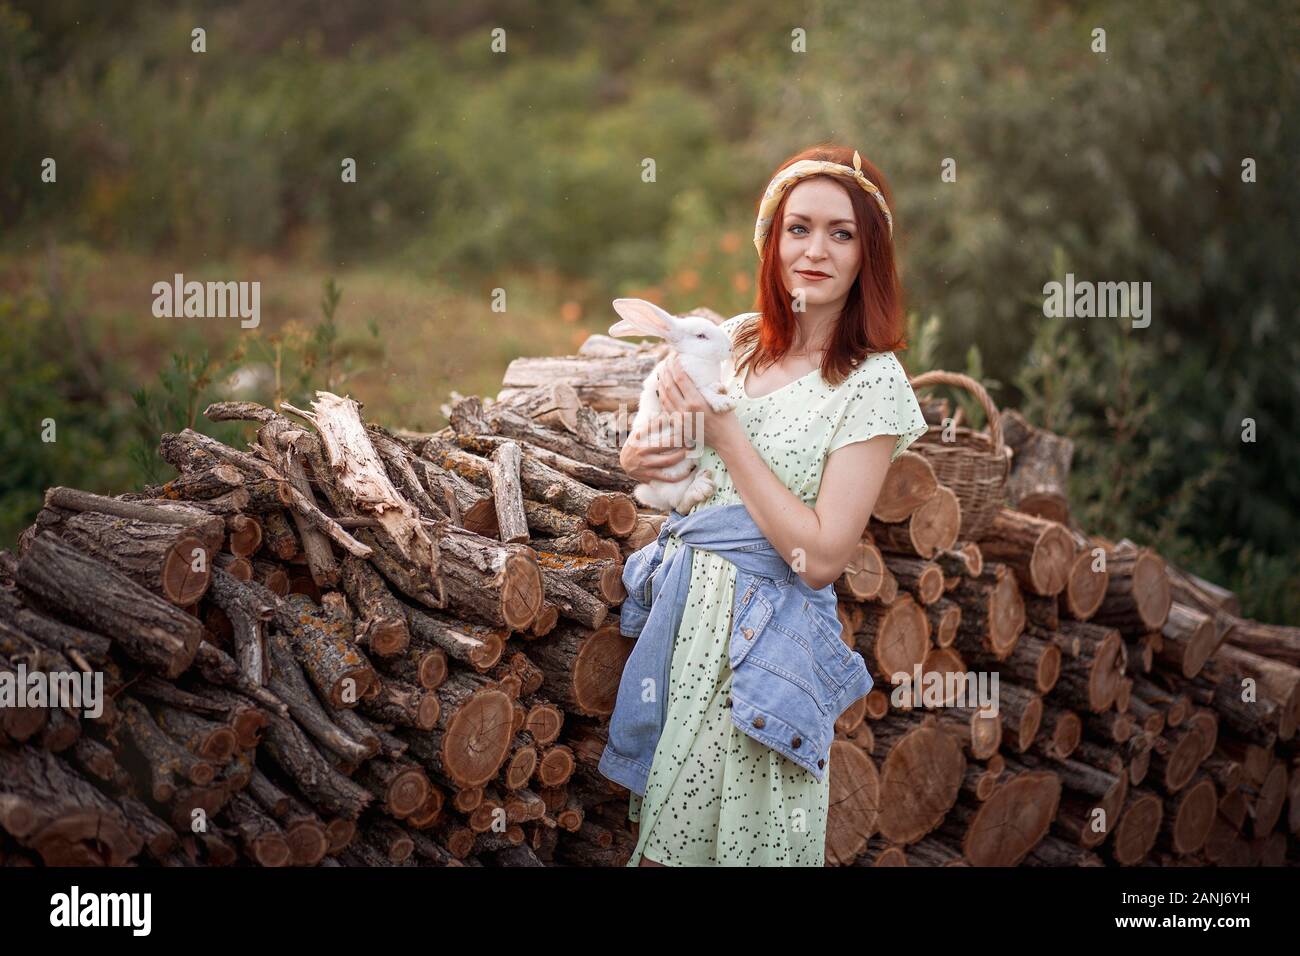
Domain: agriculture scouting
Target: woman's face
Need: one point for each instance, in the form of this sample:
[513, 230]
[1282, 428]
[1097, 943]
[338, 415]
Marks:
[819, 235]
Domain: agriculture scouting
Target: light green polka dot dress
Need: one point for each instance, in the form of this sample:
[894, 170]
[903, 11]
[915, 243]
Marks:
[715, 796]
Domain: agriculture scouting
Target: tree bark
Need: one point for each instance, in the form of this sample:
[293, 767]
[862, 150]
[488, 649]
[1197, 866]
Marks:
[382, 628]
[357, 473]
[65, 820]
[167, 559]
[512, 521]
[147, 628]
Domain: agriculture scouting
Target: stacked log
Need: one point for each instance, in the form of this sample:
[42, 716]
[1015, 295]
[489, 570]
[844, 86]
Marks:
[345, 645]
[308, 657]
[1140, 720]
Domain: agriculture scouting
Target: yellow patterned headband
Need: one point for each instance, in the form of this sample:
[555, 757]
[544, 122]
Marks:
[802, 170]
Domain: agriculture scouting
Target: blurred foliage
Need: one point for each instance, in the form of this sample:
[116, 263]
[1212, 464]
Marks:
[175, 405]
[265, 368]
[489, 170]
[301, 360]
[62, 422]
[55, 426]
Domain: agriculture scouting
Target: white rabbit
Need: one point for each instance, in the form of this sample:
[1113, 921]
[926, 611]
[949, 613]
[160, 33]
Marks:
[702, 347]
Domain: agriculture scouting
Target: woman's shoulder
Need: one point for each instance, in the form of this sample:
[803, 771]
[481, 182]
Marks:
[878, 368]
[732, 324]
[877, 398]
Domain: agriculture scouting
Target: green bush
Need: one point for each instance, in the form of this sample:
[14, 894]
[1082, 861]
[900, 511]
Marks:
[47, 396]
[523, 169]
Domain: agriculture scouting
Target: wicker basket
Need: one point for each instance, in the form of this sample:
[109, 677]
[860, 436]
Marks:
[974, 465]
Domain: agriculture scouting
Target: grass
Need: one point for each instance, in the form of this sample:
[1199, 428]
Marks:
[432, 337]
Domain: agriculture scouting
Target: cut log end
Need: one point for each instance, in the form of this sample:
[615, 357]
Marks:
[522, 592]
[388, 637]
[186, 573]
[478, 737]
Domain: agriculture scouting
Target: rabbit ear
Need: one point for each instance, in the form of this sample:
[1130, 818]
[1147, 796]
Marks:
[625, 327]
[643, 318]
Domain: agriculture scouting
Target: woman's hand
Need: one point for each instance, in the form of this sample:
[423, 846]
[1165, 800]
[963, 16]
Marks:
[651, 449]
[686, 405]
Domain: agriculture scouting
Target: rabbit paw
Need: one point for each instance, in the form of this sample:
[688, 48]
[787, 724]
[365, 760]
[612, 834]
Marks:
[720, 402]
[701, 489]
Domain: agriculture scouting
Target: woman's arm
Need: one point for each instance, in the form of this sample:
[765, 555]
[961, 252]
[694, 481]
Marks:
[816, 542]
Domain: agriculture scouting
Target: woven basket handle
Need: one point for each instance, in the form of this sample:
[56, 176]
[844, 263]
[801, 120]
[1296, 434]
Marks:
[938, 377]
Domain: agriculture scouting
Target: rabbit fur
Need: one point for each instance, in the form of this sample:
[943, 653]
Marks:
[702, 348]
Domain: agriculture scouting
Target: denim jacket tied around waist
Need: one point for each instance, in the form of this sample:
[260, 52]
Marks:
[792, 674]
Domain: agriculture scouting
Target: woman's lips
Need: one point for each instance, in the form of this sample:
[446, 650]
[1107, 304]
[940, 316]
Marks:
[812, 276]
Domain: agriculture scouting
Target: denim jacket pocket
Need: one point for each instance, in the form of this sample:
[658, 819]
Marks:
[752, 619]
[637, 575]
[637, 579]
[829, 638]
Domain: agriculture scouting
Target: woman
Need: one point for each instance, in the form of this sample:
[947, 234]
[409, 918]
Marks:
[822, 407]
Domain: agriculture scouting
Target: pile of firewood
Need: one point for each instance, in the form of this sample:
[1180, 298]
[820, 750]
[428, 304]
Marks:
[332, 647]
[345, 645]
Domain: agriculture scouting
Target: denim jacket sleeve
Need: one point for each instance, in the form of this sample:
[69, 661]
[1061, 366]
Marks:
[638, 572]
[792, 673]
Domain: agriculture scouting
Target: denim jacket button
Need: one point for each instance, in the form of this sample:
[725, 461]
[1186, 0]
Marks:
[821, 763]
[796, 742]
[759, 722]
[748, 632]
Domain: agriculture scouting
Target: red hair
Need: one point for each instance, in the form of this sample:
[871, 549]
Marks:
[872, 319]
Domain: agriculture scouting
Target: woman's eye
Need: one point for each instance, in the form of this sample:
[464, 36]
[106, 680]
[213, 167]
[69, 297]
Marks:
[839, 232]
[700, 335]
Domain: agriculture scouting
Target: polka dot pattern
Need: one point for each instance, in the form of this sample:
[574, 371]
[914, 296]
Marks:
[715, 796]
